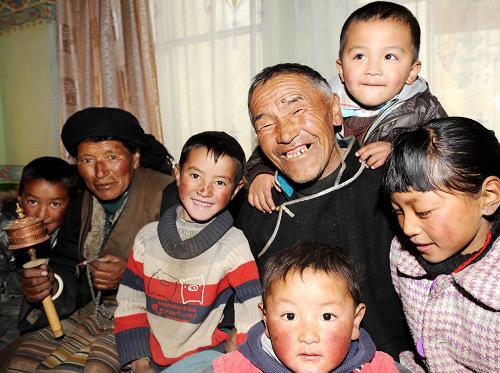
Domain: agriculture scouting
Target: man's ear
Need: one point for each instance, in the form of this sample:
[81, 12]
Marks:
[490, 195]
[240, 185]
[340, 69]
[335, 109]
[359, 313]
[263, 314]
[177, 173]
[415, 70]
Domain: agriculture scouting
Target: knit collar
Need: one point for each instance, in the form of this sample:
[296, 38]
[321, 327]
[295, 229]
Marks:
[360, 352]
[111, 207]
[210, 233]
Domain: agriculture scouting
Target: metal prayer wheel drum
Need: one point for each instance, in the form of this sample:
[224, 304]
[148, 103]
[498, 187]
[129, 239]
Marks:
[25, 233]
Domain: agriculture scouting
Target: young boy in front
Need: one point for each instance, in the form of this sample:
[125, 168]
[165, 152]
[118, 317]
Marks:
[378, 85]
[312, 317]
[185, 267]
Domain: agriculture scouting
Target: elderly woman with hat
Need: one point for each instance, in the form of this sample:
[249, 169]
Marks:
[125, 172]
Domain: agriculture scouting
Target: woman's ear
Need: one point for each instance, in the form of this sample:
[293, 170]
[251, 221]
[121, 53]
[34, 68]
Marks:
[136, 160]
[359, 313]
[490, 195]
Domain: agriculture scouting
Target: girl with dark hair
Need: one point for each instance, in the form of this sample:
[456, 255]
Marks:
[444, 183]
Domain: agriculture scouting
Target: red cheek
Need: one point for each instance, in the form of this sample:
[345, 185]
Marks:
[283, 344]
[341, 339]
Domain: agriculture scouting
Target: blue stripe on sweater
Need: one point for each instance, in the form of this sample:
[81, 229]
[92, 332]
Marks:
[133, 281]
[195, 313]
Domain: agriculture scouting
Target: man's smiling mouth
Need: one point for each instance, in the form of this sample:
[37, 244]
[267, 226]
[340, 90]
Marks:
[297, 152]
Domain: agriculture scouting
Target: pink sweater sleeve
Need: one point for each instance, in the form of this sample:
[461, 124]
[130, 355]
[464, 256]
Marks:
[234, 362]
[381, 363]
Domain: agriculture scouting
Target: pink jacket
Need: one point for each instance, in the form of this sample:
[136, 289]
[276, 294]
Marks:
[237, 362]
[454, 320]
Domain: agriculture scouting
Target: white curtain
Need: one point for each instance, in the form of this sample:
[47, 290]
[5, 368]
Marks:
[208, 51]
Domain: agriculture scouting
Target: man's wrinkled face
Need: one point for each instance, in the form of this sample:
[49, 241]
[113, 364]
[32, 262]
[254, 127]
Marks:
[294, 125]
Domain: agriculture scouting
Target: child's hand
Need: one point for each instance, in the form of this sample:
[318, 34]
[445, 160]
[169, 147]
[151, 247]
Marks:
[259, 193]
[142, 366]
[375, 154]
[37, 283]
[230, 344]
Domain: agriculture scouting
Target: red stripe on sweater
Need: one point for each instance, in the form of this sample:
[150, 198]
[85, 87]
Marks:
[244, 273]
[164, 286]
[135, 266]
[138, 320]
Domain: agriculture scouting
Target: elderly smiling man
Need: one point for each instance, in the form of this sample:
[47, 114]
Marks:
[335, 199]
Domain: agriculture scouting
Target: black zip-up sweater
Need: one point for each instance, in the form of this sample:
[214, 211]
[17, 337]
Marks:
[353, 217]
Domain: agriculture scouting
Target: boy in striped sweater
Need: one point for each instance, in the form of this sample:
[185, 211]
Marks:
[185, 267]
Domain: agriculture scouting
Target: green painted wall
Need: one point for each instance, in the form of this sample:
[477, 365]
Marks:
[27, 86]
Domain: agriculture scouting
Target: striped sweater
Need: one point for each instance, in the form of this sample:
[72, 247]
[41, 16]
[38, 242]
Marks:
[176, 285]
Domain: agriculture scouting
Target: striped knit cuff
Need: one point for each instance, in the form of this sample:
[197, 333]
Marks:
[132, 345]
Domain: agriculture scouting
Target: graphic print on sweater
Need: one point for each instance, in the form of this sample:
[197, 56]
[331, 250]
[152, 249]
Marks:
[173, 295]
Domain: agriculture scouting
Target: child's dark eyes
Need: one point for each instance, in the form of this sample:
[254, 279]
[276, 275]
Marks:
[289, 316]
[32, 202]
[328, 316]
[194, 176]
[359, 56]
[220, 183]
[391, 56]
[55, 204]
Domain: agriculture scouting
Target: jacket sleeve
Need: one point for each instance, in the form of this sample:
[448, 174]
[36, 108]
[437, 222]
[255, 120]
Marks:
[435, 110]
[131, 322]
[256, 165]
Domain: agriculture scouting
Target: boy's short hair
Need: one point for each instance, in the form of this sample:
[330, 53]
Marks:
[316, 256]
[382, 11]
[53, 170]
[219, 144]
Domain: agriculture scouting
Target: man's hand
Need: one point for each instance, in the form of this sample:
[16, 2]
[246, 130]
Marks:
[230, 343]
[259, 193]
[37, 283]
[141, 366]
[107, 272]
[375, 154]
